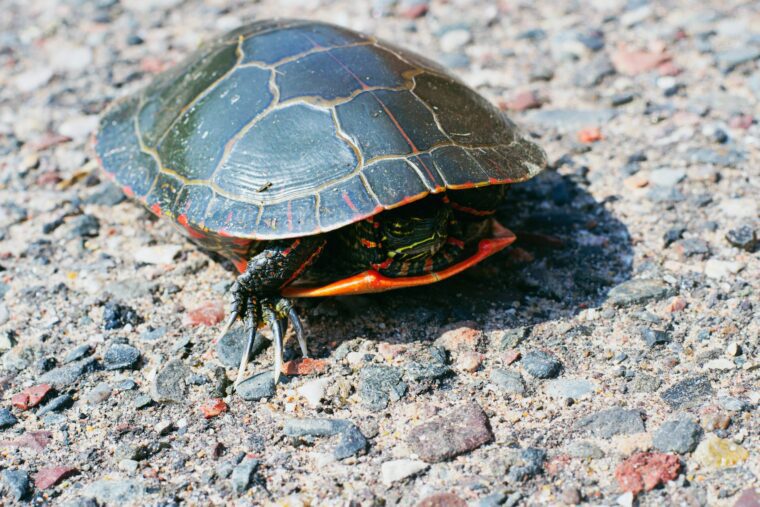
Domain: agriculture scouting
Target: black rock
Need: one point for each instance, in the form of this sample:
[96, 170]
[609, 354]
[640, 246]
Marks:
[352, 440]
[528, 463]
[170, 382]
[7, 419]
[257, 387]
[46, 364]
[673, 234]
[679, 435]
[744, 237]
[229, 348]
[693, 247]
[621, 99]
[639, 291]
[121, 356]
[84, 226]
[242, 475]
[17, 482]
[541, 364]
[134, 40]
[68, 374]
[56, 404]
[653, 337]
[116, 316]
[379, 385]
[427, 366]
[77, 353]
[613, 421]
[687, 393]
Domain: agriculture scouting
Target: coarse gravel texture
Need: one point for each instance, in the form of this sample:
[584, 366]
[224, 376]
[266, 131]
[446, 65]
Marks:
[629, 302]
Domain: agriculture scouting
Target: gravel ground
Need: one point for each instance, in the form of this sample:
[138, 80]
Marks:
[609, 357]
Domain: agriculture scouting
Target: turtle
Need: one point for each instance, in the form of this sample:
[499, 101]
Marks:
[320, 161]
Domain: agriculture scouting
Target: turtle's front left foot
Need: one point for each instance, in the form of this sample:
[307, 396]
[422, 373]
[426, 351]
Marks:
[276, 313]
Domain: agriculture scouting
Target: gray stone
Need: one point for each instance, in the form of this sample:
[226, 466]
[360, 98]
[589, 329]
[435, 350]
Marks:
[541, 364]
[66, 375]
[570, 388]
[17, 483]
[115, 491]
[729, 158]
[459, 431]
[150, 335]
[527, 463]
[511, 338]
[169, 384]
[379, 385]
[83, 226]
[570, 120]
[743, 237]
[352, 440]
[594, 72]
[688, 392]
[230, 347]
[260, 385]
[644, 383]
[613, 421]
[242, 475]
[77, 353]
[428, 365]
[107, 194]
[730, 59]
[638, 291]
[666, 177]
[56, 404]
[654, 337]
[121, 356]
[7, 419]
[665, 195]
[679, 435]
[143, 401]
[584, 450]
[732, 404]
[508, 380]
[98, 394]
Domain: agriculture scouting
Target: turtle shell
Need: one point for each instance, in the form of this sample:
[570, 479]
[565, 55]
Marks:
[289, 128]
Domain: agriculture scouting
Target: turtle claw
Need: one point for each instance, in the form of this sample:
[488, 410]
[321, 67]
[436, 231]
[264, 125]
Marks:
[251, 336]
[298, 326]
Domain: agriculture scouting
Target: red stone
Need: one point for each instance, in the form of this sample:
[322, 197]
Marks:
[415, 11]
[34, 440]
[523, 101]
[49, 140]
[633, 62]
[213, 407]
[749, 498]
[153, 65]
[47, 477]
[304, 366]
[462, 337]
[442, 500]
[669, 69]
[590, 135]
[742, 121]
[645, 470]
[676, 305]
[511, 356]
[31, 396]
[208, 313]
[557, 463]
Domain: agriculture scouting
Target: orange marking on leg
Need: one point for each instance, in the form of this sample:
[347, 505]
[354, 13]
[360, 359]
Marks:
[156, 208]
[372, 281]
[303, 266]
[290, 248]
[455, 241]
[240, 264]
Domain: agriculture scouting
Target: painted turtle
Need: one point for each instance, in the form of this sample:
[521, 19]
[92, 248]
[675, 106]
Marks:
[320, 161]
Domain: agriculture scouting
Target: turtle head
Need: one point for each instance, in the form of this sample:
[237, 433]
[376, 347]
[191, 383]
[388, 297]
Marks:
[415, 231]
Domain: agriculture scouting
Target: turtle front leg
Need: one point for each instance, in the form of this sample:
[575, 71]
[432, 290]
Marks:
[256, 295]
